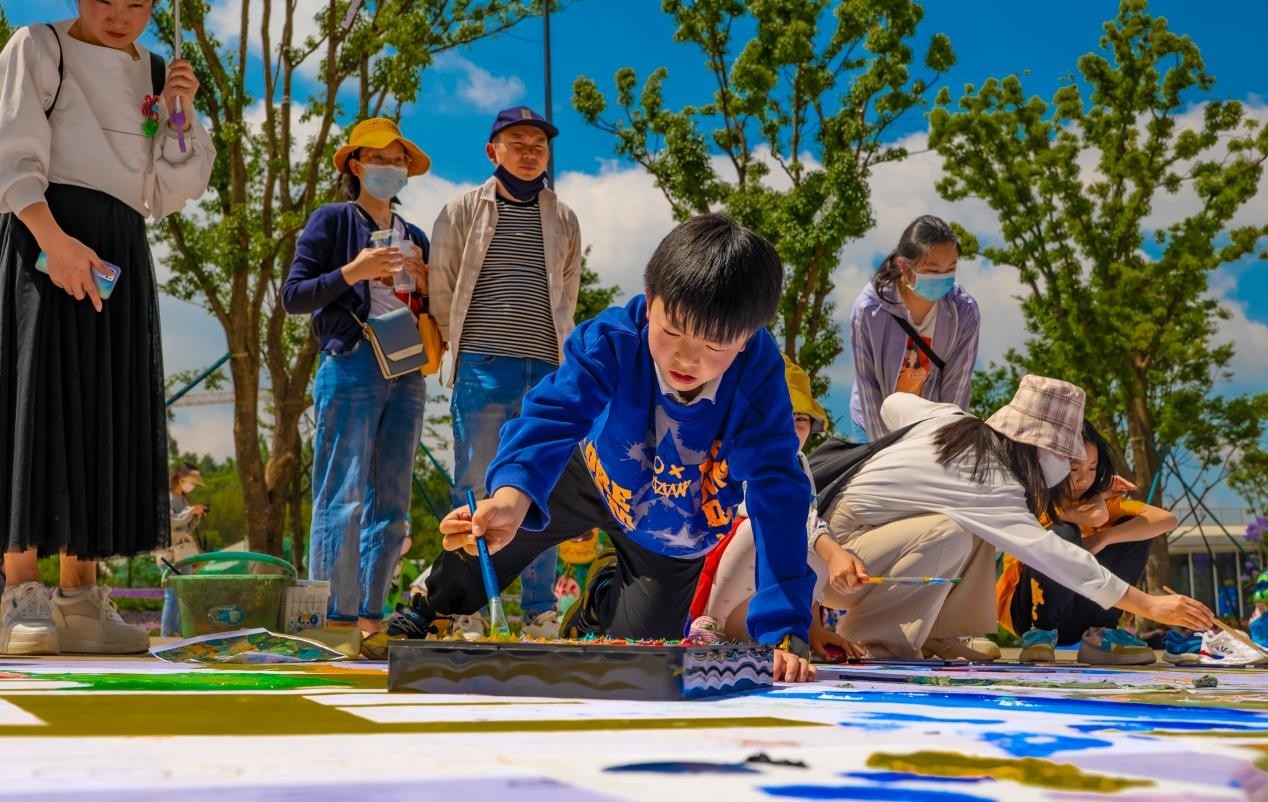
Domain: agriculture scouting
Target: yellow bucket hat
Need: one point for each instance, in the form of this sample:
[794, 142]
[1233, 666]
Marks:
[379, 132]
[803, 401]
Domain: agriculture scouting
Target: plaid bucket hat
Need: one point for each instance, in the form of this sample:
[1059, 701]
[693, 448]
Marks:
[1047, 413]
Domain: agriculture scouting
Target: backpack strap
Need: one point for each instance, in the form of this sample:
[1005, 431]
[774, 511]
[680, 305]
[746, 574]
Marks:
[60, 71]
[849, 458]
[919, 341]
[158, 74]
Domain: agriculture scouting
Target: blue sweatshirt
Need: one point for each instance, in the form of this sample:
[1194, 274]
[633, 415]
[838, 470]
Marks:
[332, 237]
[672, 474]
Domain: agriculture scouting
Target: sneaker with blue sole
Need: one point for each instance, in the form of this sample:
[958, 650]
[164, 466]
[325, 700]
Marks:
[1108, 646]
[1181, 649]
[1038, 646]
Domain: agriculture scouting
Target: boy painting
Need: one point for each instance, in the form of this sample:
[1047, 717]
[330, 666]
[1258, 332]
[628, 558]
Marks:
[660, 415]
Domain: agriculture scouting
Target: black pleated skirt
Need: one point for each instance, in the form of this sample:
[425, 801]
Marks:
[83, 430]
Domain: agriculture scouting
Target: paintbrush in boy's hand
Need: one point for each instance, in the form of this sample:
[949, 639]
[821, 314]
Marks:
[911, 580]
[497, 616]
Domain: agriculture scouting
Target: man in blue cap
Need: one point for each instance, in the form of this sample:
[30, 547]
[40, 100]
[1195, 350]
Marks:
[505, 270]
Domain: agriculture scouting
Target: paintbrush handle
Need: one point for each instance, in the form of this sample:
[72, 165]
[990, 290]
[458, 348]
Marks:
[497, 616]
[910, 580]
[1220, 625]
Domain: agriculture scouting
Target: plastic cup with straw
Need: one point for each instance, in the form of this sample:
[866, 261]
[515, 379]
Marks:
[497, 616]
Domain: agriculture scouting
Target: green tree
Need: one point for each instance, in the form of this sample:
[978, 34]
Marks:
[592, 298]
[6, 30]
[231, 252]
[805, 91]
[1117, 307]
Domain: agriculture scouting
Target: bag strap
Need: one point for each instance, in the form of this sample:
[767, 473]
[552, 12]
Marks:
[826, 495]
[919, 341]
[60, 71]
[158, 74]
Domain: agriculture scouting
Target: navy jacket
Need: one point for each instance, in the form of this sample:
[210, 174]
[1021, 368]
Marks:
[332, 237]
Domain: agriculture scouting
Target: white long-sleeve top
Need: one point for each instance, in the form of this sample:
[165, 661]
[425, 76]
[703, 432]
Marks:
[905, 480]
[94, 137]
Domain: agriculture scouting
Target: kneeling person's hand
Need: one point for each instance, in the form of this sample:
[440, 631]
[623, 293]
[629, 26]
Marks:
[497, 518]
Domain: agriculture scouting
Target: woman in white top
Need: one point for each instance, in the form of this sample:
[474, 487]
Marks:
[941, 500]
[87, 152]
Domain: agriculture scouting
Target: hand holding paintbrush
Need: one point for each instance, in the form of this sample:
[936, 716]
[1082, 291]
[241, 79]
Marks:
[497, 617]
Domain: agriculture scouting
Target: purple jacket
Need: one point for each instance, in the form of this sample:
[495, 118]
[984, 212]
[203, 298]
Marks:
[879, 344]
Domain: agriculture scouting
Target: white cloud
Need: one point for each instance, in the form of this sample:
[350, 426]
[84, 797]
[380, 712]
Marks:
[224, 21]
[479, 87]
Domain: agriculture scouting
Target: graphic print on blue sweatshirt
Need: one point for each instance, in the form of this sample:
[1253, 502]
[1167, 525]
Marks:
[670, 489]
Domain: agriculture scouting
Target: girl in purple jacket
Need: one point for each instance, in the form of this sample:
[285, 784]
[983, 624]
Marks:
[913, 329]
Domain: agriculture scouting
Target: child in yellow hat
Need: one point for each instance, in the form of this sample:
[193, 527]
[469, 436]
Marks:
[728, 580]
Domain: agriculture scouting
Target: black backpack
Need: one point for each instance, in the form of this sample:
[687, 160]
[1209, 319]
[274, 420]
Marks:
[158, 72]
[835, 462]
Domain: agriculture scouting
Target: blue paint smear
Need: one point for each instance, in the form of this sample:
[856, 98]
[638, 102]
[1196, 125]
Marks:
[1025, 744]
[685, 767]
[907, 776]
[886, 793]
[1119, 713]
[927, 719]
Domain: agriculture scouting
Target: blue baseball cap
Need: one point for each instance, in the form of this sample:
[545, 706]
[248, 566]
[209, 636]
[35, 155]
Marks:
[522, 115]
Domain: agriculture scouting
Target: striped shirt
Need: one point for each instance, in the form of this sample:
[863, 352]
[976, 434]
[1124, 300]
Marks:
[510, 312]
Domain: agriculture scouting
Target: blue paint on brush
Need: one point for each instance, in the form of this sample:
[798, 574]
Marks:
[1026, 744]
[884, 793]
[907, 776]
[1117, 715]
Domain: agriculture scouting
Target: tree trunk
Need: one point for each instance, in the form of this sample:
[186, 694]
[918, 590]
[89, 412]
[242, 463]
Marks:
[1146, 462]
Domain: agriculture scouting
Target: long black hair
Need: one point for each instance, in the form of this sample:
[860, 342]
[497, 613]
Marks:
[921, 236]
[1104, 464]
[971, 440]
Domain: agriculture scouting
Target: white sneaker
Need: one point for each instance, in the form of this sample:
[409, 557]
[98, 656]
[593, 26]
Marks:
[544, 626]
[1222, 649]
[89, 623]
[471, 627]
[27, 626]
[986, 646]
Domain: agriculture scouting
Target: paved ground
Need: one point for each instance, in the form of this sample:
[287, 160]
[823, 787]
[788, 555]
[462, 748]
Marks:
[140, 729]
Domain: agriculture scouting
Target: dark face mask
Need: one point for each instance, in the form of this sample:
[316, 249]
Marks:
[518, 188]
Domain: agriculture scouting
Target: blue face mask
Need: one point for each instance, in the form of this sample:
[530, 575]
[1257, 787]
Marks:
[383, 181]
[932, 286]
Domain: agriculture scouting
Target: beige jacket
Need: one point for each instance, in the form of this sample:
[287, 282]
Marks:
[459, 241]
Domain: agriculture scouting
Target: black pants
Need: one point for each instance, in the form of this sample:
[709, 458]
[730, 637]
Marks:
[652, 595]
[1065, 610]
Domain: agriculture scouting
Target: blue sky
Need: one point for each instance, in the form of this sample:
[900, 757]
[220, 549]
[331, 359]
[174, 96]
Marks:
[622, 214]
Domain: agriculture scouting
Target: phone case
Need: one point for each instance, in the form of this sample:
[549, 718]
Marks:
[105, 282]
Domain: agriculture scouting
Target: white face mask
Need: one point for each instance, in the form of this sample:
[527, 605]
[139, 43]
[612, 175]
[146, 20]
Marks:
[1055, 467]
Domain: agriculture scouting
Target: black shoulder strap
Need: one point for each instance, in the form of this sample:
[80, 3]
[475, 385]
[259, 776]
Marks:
[851, 458]
[920, 341]
[158, 74]
[60, 71]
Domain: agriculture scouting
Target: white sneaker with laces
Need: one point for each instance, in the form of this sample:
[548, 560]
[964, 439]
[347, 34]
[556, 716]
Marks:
[544, 626]
[1222, 649]
[471, 627]
[27, 626]
[706, 629]
[89, 623]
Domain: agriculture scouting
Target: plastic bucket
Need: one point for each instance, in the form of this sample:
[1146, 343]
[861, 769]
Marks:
[306, 603]
[223, 602]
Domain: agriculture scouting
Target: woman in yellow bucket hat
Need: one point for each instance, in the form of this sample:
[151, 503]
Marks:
[367, 426]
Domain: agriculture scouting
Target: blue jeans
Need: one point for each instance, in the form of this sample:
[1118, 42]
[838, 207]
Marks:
[363, 464]
[170, 620]
[489, 391]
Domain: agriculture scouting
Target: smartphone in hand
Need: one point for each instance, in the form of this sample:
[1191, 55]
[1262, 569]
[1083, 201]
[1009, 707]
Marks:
[105, 277]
